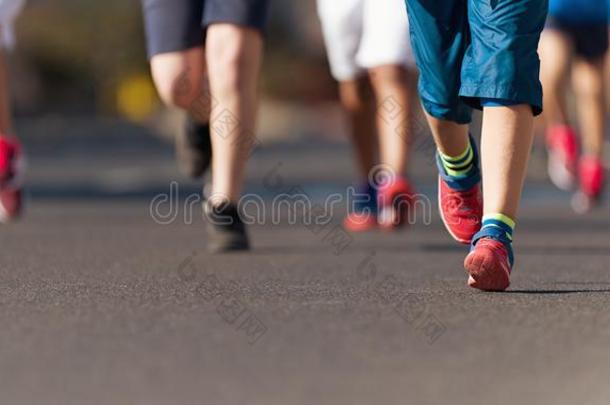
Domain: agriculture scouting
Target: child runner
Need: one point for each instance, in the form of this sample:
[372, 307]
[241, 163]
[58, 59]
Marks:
[189, 43]
[11, 155]
[369, 53]
[480, 54]
[575, 42]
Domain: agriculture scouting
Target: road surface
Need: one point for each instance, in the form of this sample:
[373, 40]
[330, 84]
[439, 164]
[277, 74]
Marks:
[100, 304]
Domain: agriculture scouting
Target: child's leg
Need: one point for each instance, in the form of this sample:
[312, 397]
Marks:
[439, 53]
[504, 79]
[589, 87]
[175, 48]
[6, 122]
[9, 11]
[588, 79]
[357, 100]
[556, 54]
[234, 56]
[12, 165]
[556, 57]
[385, 51]
[393, 82]
[179, 77]
[450, 137]
[506, 141]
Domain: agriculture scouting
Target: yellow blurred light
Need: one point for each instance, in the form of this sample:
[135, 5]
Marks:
[136, 98]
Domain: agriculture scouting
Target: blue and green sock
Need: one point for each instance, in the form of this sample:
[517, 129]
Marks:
[501, 223]
[458, 166]
[499, 227]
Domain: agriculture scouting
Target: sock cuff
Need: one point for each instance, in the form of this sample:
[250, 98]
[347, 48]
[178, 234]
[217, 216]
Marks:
[462, 163]
[501, 218]
[466, 155]
[500, 221]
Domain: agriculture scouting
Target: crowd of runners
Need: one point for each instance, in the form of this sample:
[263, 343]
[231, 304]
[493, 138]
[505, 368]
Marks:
[495, 55]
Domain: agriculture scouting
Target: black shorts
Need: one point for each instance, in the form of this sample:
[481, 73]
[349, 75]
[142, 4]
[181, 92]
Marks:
[178, 25]
[590, 40]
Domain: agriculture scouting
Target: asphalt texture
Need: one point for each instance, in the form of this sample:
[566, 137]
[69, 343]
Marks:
[101, 304]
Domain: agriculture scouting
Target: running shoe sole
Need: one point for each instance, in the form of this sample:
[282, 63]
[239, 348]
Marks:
[484, 272]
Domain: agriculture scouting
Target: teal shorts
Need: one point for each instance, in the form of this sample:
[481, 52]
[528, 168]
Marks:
[473, 50]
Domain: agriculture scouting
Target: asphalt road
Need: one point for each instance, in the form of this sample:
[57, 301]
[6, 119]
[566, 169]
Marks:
[99, 304]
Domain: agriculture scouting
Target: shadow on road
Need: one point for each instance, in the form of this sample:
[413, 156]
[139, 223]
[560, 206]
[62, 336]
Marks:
[527, 249]
[553, 292]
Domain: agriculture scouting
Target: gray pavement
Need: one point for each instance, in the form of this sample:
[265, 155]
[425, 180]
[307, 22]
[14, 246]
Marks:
[99, 304]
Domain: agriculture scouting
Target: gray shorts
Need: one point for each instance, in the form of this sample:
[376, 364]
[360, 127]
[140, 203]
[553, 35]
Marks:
[178, 25]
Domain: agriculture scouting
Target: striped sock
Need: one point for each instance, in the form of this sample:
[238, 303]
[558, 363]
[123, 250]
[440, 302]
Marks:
[501, 222]
[458, 166]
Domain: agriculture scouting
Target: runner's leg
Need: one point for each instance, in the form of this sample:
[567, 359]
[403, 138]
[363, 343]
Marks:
[234, 56]
[556, 58]
[179, 78]
[12, 160]
[358, 102]
[588, 79]
[6, 121]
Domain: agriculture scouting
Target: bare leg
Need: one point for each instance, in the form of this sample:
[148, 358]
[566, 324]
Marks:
[6, 122]
[179, 78]
[396, 83]
[505, 148]
[607, 79]
[356, 98]
[588, 78]
[451, 138]
[556, 58]
[234, 56]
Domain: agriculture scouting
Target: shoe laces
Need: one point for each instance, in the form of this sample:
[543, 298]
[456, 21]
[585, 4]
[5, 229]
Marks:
[461, 201]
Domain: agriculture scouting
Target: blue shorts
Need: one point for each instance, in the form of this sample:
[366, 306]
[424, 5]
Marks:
[471, 50]
[178, 25]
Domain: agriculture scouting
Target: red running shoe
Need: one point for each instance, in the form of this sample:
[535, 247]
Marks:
[591, 179]
[460, 201]
[396, 203]
[489, 265]
[461, 211]
[12, 165]
[562, 146]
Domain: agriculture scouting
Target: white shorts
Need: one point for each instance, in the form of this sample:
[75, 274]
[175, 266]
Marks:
[9, 10]
[363, 34]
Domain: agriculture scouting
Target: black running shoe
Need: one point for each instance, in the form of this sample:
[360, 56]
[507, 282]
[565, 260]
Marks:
[226, 230]
[194, 149]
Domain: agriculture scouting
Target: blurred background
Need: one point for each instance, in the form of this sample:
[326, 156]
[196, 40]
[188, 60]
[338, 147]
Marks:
[94, 308]
[89, 115]
[94, 126]
[90, 59]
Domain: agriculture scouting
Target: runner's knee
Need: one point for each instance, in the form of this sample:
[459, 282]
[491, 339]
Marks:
[179, 90]
[179, 77]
